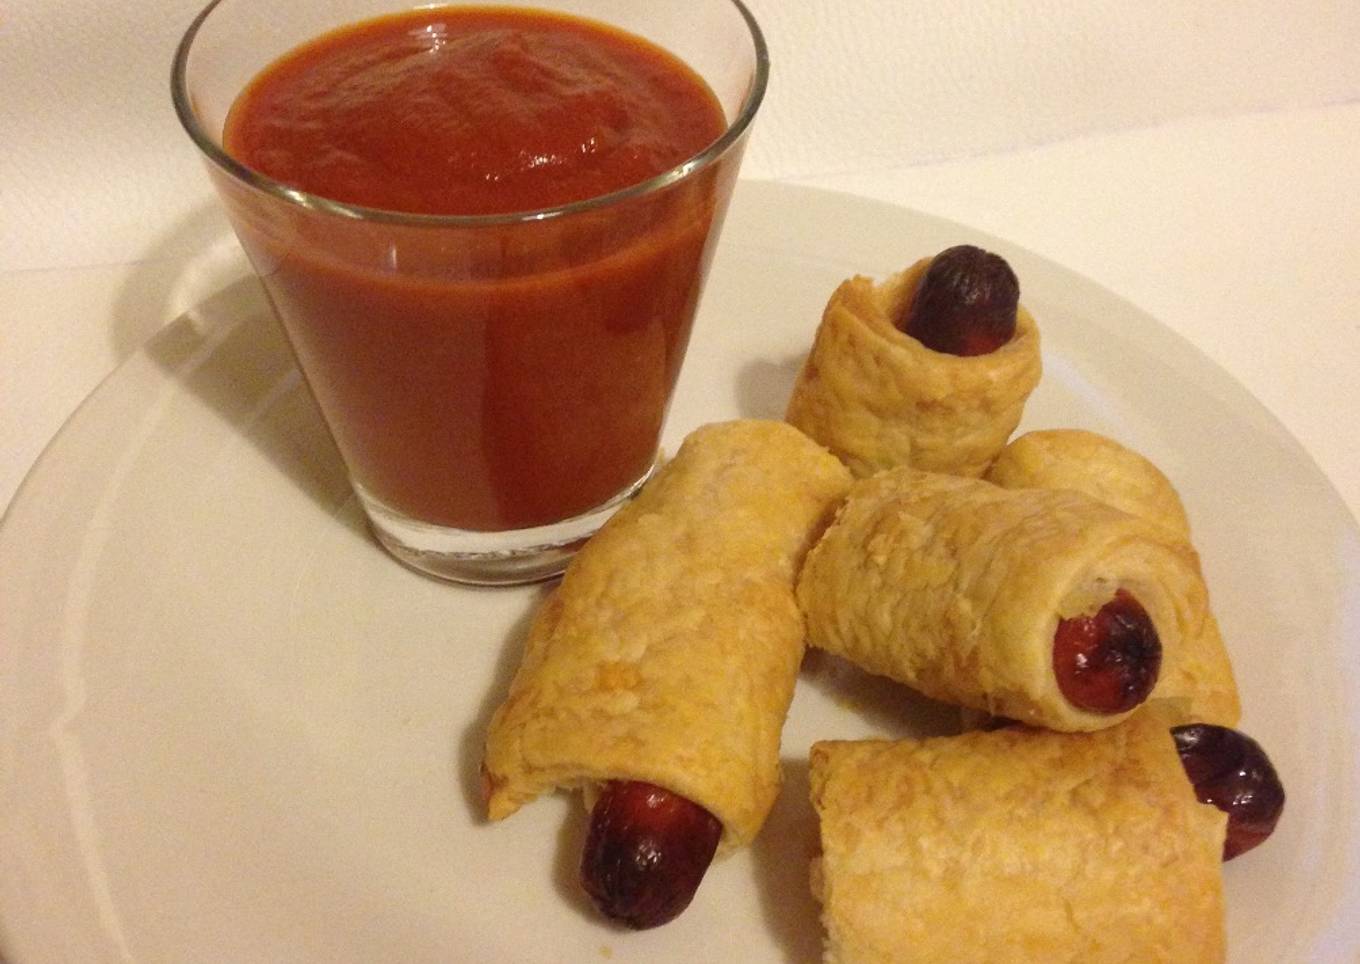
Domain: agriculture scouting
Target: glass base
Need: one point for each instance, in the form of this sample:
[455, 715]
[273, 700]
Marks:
[502, 558]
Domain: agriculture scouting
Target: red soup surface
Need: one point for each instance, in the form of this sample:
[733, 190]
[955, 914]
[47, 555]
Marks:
[483, 376]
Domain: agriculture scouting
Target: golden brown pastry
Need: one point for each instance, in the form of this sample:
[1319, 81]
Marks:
[971, 594]
[669, 652]
[1017, 845]
[1083, 461]
[877, 397]
[1202, 684]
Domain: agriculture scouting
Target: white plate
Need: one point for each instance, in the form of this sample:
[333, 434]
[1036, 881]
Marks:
[232, 729]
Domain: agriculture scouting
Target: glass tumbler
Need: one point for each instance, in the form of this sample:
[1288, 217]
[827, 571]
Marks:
[496, 384]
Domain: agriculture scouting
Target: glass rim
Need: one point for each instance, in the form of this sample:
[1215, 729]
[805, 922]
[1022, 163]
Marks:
[211, 149]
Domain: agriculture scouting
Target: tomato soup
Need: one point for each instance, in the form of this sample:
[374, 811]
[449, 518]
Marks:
[482, 371]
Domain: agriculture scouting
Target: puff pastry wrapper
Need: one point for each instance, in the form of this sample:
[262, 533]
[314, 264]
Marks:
[1017, 845]
[1201, 685]
[669, 652]
[877, 397]
[955, 586]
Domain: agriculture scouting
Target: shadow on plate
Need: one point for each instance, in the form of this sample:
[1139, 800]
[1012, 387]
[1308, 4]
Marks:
[225, 348]
[781, 857]
[880, 707]
[764, 386]
[188, 264]
[240, 366]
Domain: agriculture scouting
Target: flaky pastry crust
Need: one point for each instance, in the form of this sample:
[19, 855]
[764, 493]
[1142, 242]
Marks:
[878, 398]
[1017, 845]
[955, 587]
[668, 653]
[1201, 686]
[1069, 458]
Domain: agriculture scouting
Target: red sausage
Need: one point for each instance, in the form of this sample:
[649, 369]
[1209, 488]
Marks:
[1108, 662]
[965, 304]
[646, 852]
[1231, 771]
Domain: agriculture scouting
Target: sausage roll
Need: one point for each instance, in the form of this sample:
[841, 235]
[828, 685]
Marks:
[1202, 684]
[669, 651]
[878, 397]
[1016, 845]
[1043, 606]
